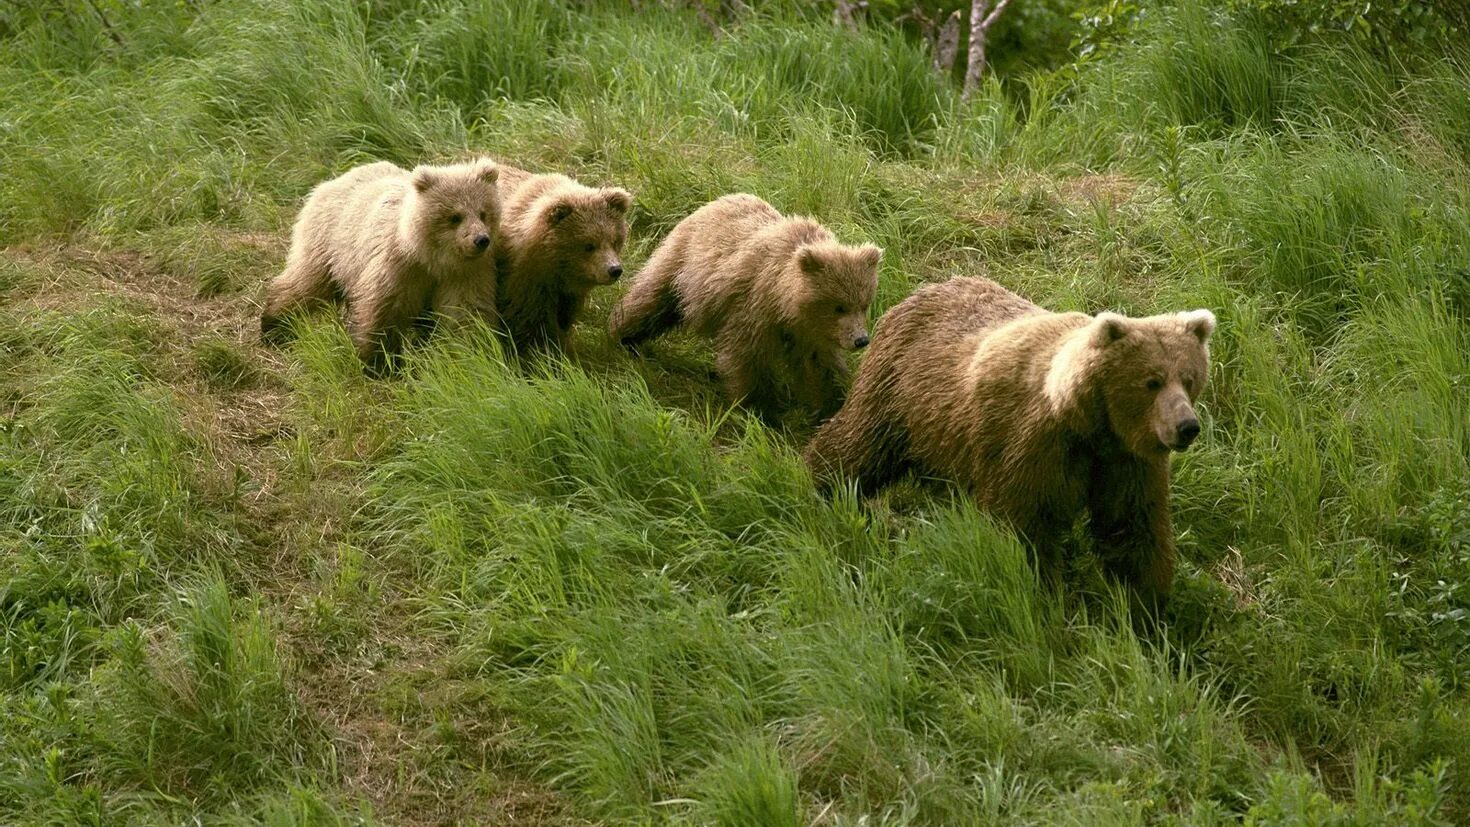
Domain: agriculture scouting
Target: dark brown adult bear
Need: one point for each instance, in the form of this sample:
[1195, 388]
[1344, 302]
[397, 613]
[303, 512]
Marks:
[1041, 416]
[781, 298]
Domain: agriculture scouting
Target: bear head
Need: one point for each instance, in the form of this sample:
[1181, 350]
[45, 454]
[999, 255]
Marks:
[583, 232]
[838, 283]
[1140, 377]
[452, 213]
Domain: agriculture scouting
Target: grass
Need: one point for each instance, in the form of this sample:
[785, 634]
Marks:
[242, 585]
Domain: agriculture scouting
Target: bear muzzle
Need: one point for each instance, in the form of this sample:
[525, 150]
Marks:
[860, 342]
[482, 242]
[1185, 434]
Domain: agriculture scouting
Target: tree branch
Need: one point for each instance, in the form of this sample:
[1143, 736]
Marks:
[994, 15]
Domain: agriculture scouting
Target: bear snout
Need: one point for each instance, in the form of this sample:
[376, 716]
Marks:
[482, 242]
[615, 272]
[1186, 433]
[860, 342]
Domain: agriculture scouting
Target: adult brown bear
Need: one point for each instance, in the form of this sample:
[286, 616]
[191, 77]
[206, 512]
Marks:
[1041, 416]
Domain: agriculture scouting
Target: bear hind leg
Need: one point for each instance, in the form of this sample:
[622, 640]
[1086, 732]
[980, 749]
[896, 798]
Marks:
[305, 281]
[867, 449]
[649, 310]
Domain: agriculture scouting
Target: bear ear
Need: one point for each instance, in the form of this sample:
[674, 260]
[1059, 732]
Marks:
[870, 254]
[424, 178]
[617, 198]
[559, 212]
[1199, 322]
[487, 170]
[809, 259]
[1108, 328]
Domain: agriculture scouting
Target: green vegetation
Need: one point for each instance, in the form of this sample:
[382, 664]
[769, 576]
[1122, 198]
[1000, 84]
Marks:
[241, 585]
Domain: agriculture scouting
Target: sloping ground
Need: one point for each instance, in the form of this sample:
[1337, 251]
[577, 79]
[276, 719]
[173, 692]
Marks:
[380, 697]
[241, 585]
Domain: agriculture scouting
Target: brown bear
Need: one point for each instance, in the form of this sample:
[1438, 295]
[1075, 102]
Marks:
[394, 245]
[559, 240]
[1041, 416]
[780, 297]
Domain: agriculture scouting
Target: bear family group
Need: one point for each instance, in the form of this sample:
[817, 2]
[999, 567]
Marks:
[1042, 417]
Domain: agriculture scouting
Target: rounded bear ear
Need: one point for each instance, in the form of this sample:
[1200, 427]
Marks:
[423, 178]
[617, 198]
[487, 170]
[808, 259]
[559, 212]
[1108, 328]
[1199, 322]
[870, 254]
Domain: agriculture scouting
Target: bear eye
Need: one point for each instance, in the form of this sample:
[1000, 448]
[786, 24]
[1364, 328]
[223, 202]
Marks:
[1189, 384]
[1155, 384]
[482, 216]
[455, 219]
[841, 309]
[589, 247]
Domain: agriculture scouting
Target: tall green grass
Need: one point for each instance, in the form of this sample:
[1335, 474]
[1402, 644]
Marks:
[589, 585]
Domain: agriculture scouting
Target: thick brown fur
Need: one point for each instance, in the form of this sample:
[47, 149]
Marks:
[1041, 416]
[394, 245]
[558, 241]
[780, 297]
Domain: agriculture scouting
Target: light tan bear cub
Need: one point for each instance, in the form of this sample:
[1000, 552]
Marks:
[559, 240]
[393, 245]
[1041, 416]
[781, 298]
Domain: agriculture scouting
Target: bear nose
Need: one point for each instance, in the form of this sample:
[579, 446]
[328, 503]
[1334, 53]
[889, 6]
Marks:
[482, 241]
[615, 271]
[1188, 430]
[860, 342]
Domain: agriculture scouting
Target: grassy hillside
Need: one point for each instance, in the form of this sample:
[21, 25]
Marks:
[242, 585]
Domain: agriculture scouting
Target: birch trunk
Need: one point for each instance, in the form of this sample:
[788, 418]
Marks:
[980, 23]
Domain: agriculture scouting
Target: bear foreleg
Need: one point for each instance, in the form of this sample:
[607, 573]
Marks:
[457, 301]
[821, 380]
[1132, 529]
[380, 321]
[747, 378]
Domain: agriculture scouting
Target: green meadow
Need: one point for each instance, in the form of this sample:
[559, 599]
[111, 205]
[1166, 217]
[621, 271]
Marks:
[243, 585]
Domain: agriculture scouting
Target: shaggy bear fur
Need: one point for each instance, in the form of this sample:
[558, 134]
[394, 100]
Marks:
[559, 240]
[393, 245]
[1041, 416]
[781, 298]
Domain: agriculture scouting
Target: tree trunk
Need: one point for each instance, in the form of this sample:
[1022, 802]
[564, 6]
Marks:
[947, 45]
[980, 23]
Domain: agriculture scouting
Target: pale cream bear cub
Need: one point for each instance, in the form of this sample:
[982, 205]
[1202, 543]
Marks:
[395, 246]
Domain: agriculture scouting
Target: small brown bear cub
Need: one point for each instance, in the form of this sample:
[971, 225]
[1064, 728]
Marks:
[394, 245]
[1041, 416]
[781, 298]
[559, 240]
